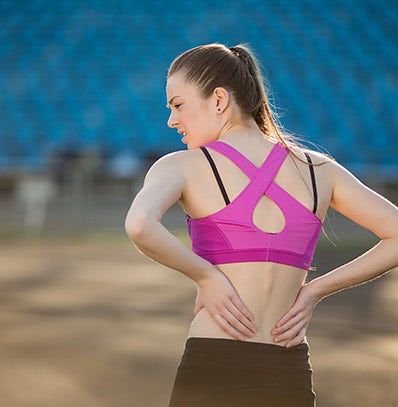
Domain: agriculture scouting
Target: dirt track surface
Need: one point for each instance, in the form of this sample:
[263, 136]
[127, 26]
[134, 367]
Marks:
[92, 323]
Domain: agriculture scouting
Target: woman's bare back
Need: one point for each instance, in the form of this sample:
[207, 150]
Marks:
[267, 289]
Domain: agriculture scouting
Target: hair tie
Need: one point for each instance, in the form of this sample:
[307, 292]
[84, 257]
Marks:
[235, 52]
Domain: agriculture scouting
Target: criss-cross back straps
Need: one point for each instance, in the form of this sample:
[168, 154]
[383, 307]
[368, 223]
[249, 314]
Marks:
[268, 169]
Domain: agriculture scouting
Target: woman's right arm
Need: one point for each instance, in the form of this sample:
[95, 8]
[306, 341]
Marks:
[163, 187]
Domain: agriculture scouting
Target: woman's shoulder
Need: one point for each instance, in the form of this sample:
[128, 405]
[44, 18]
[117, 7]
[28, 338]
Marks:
[329, 170]
[317, 157]
[179, 161]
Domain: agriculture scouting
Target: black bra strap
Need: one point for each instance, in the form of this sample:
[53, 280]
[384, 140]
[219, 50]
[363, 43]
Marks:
[313, 183]
[216, 174]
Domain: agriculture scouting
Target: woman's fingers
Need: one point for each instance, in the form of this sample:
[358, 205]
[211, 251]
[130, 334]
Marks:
[226, 327]
[238, 321]
[287, 317]
[292, 326]
[240, 311]
[292, 334]
[221, 300]
[297, 340]
[231, 325]
[234, 322]
[242, 308]
[289, 323]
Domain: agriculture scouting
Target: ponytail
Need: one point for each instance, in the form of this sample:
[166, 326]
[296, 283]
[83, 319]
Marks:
[262, 113]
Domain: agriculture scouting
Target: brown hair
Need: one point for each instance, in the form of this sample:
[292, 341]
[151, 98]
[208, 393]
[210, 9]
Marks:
[238, 71]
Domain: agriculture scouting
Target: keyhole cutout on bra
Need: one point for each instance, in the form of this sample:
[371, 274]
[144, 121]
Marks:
[268, 217]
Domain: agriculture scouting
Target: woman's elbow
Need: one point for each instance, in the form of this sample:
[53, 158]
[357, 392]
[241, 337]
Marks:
[136, 226]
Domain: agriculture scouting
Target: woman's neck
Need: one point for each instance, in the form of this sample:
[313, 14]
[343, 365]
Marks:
[240, 131]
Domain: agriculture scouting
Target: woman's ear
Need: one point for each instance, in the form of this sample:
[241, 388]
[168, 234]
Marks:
[221, 99]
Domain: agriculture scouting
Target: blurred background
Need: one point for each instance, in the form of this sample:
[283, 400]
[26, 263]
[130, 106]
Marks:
[85, 320]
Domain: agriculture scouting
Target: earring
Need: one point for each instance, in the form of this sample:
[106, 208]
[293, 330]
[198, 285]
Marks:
[219, 110]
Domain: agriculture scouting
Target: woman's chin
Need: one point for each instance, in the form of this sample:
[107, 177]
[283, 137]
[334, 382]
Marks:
[190, 146]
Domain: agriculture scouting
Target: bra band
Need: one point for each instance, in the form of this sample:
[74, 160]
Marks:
[313, 181]
[217, 175]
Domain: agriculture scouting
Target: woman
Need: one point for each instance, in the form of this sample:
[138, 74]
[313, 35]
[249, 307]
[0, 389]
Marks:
[255, 201]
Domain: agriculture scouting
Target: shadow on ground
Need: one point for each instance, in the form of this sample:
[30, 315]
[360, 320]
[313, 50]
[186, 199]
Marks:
[91, 323]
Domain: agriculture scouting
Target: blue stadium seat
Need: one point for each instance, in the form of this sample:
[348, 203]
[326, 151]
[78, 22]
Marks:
[93, 73]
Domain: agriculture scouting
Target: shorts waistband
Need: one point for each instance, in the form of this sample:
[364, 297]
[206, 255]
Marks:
[199, 350]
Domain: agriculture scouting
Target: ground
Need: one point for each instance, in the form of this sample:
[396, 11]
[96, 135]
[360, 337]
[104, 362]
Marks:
[86, 321]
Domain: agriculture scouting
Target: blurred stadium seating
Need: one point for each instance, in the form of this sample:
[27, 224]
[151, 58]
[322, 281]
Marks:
[91, 74]
[82, 89]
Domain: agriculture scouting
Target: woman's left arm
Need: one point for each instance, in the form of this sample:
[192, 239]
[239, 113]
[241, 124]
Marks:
[371, 211]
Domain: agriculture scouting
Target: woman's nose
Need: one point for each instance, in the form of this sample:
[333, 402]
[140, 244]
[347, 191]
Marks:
[172, 122]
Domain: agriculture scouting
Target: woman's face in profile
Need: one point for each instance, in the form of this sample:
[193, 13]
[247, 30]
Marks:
[191, 115]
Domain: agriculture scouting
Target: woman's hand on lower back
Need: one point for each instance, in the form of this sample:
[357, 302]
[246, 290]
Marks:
[292, 327]
[217, 294]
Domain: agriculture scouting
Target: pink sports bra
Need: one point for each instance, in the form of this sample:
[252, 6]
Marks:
[230, 235]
